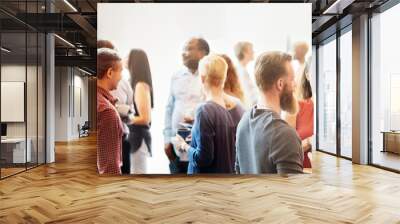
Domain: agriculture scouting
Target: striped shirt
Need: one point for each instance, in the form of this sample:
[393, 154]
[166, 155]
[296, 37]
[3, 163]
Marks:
[109, 134]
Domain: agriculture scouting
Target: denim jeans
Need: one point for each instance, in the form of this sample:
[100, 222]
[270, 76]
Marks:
[178, 167]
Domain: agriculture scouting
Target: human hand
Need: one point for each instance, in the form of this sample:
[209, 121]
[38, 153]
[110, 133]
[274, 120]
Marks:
[180, 144]
[169, 151]
[188, 119]
[189, 138]
[306, 146]
[123, 110]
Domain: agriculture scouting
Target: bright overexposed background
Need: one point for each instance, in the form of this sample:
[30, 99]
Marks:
[162, 29]
[385, 83]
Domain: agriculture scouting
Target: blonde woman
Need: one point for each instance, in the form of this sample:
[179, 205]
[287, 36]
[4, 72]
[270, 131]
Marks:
[212, 149]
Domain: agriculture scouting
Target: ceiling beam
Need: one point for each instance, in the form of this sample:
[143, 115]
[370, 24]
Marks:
[318, 24]
[81, 61]
[84, 24]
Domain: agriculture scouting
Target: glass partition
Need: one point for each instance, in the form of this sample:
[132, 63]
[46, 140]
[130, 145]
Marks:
[14, 153]
[385, 89]
[41, 96]
[346, 94]
[327, 96]
[31, 98]
[22, 64]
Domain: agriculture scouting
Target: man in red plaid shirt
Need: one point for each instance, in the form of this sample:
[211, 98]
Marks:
[109, 125]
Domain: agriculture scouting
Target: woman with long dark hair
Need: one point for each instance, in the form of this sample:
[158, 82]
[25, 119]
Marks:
[139, 136]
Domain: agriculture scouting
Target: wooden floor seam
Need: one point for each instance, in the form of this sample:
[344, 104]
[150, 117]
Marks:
[70, 191]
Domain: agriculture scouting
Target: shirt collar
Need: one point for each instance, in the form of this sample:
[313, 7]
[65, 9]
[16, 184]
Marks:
[186, 71]
[257, 109]
[107, 95]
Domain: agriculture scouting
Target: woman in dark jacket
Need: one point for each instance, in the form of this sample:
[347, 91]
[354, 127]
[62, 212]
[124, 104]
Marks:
[212, 149]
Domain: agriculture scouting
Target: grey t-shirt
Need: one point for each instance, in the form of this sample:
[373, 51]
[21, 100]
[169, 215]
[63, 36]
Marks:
[267, 144]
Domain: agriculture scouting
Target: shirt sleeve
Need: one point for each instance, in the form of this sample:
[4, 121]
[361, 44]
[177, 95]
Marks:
[129, 93]
[168, 116]
[286, 152]
[109, 142]
[203, 154]
[237, 166]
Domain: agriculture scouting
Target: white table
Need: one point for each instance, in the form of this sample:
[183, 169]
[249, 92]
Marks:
[17, 146]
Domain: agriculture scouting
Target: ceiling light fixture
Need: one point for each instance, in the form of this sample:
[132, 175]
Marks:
[5, 50]
[70, 5]
[338, 6]
[64, 40]
[331, 7]
[79, 51]
[86, 72]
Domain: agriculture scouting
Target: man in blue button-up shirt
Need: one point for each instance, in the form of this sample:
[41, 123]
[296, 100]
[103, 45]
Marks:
[185, 94]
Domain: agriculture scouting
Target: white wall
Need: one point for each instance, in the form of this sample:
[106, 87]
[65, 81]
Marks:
[34, 125]
[68, 83]
[62, 113]
[15, 73]
[81, 84]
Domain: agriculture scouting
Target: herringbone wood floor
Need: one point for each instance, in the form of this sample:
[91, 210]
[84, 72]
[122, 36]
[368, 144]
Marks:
[70, 191]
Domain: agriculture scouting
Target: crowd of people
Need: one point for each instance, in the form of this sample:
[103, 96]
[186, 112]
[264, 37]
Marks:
[219, 118]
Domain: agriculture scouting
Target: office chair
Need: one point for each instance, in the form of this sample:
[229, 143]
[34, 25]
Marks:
[84, 130]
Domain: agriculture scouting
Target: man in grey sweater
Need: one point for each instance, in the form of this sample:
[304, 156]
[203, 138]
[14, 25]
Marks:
[264, 142]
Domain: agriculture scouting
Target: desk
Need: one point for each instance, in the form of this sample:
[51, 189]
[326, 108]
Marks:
[13, 150]
[391, 141]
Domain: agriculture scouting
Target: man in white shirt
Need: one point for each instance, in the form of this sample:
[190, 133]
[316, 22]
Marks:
[245, 54]
[186, 93]
[124, 94]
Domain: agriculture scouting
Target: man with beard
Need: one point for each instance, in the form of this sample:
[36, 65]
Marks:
[264, 142]
[185, 94]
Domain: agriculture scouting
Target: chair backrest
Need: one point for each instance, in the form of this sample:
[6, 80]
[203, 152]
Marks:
[86, 125]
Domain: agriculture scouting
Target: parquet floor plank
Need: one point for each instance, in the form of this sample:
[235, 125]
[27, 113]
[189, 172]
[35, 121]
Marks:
[70, 191]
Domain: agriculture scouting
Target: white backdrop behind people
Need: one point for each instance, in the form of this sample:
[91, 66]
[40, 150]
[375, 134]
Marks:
[162, 29]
